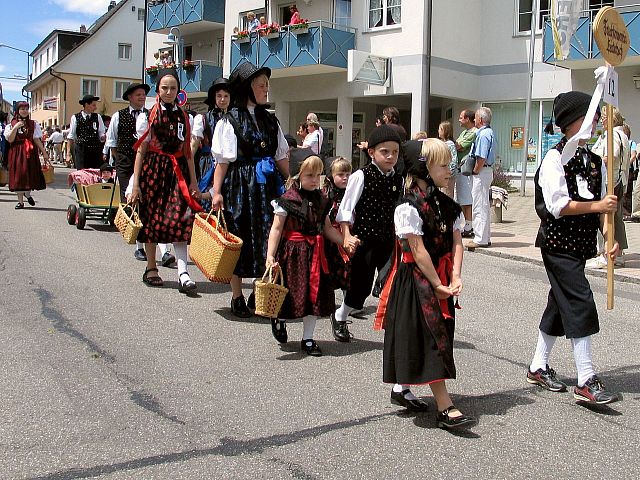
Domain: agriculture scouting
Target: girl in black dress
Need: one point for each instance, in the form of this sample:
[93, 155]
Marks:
[416, 306]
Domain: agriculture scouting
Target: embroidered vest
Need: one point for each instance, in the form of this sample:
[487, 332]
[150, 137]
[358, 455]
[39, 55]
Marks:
[24, 133]
[374, 210]
[572, 234]
[87, 131]
[166, 128]
[127, 132]
[306, 211]
[257, 139]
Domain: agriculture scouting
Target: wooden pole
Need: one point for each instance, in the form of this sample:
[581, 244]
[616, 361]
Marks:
[609, 216]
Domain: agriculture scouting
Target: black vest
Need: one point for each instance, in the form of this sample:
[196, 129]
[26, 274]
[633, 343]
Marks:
[254, 143]
[572, 234]
[127, 133]
[374, 210]
[87, 131]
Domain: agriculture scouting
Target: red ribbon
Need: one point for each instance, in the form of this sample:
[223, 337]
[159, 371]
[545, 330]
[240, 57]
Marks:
[444, 271]
[318, 262]
[28, 146]
[182, 183]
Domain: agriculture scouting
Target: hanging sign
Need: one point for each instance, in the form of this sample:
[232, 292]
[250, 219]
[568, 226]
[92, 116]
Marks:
[611, 35]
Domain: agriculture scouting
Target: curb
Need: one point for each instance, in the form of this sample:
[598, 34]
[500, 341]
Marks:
[521, 258]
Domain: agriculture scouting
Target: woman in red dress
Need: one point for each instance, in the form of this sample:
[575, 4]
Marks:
[164, 180]
[25, 172]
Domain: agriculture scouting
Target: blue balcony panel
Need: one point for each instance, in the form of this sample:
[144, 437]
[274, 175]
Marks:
[584, 51]
[321, 45]
[178, 13]
[192, 80]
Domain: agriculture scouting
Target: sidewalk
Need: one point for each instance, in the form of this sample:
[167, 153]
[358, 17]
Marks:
[515, 237]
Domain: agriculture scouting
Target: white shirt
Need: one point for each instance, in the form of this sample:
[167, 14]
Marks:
[225, 143]
[56, 137]
[37, 130]
[198, 126]
[312, 141]
[621, 163]
[143, 122]
[407, 221]
[554, 185]
[72, 126]
[352, 195]
[112, 131]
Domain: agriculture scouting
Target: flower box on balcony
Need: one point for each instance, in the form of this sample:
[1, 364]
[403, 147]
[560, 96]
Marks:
[152, 70]
[299, 28]
[189, 65]
[272, 35]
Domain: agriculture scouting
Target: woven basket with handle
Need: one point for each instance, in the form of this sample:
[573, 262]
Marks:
[213, 248]
[270, 294]
[48, 173]
[128, 222]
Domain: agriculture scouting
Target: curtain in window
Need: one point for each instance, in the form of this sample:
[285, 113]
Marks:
[343, 12]
[375, 13]
[393, 12]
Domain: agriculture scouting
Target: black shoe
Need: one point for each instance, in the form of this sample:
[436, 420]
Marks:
[167, 259]
[340, 330]
[447, 422]
[311, 348]
[279, 330]
[398, 398]
[593, 391]
[19, 206]
[239, 307]
[31, 201]
[251, 301]
[188, 286]
[546, 379]
[140, 255]
[467, 233]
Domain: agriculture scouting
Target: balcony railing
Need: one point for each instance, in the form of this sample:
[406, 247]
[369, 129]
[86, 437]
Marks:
[323, 43]
[196, 78]
[583, 45]
[164, 14]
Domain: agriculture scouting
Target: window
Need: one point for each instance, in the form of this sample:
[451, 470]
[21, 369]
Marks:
[53, 52]
[342, 12]
[220, 51]
[598, 4]
[89, 87]
[244, 23]
[124, 51]
[119, 87]
[141, 14]
[524, 14]
[383, 13]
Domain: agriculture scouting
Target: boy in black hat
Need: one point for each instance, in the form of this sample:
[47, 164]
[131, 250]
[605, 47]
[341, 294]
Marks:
[366, 214]
[571, 200]
[86, 135]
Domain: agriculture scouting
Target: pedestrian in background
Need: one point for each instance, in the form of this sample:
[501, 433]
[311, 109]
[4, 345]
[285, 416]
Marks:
[25, 171]
[445, 133]
[463, 183]
[86, 135]
[571, 200]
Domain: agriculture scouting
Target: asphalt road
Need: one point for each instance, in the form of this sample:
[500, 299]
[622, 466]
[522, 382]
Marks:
[104, 377]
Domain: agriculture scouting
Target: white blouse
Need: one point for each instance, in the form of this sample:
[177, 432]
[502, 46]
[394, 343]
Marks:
[408, 222]
[37, 130]
[143, 122]
[224, 144]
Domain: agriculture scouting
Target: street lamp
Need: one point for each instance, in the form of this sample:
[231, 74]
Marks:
[28, 56]
[175, 39]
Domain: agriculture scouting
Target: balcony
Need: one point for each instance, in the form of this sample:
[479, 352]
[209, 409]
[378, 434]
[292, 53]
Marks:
[322, 48]
[194, 15]
[584, 52]
[197, 78]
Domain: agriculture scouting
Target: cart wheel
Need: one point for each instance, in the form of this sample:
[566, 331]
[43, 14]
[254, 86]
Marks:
[71, 214]
[81, 218]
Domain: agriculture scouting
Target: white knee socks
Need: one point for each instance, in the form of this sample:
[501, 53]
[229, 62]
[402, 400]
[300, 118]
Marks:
[139, 245]
[400, 388]
[181, 255]
[343, 312]
[582, 356]
[543, 350]
[308, 326]
[164, 248]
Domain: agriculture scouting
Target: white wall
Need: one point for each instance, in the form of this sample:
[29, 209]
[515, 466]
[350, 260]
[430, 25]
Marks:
[99, 53]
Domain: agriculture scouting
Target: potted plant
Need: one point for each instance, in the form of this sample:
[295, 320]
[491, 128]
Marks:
[242, 37]
[300, 28]
[152, 70]
[272, 30]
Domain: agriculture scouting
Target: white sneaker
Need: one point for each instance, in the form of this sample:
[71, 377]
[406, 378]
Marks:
[598, 262]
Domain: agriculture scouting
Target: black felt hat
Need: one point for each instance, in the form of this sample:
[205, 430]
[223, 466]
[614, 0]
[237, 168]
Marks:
[88, 99]
[569, 107]
[135, 86]
[383, 133]
[163, 72]
[245, 72]
[218, 84]
[296, 157]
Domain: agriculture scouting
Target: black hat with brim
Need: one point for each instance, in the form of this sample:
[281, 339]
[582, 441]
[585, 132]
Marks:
[163, 72]
[296, 157]
[88, 99]
[245, 72]
[134, 86]
[218, 84]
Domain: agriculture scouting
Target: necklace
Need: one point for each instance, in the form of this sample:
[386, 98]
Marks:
[442, 226]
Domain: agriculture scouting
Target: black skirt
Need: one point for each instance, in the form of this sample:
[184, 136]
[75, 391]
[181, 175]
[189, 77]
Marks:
[418, 341]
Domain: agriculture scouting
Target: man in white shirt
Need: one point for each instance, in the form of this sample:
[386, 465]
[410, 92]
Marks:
[314, 126]
[86, 135]
[57, 139]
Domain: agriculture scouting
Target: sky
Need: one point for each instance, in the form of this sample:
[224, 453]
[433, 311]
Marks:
[25, 23]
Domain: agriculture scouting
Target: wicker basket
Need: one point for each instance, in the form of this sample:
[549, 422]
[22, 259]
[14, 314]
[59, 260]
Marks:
[48, 173]
[4, 176]
[269, 294]
[213, 249]
[128, 222]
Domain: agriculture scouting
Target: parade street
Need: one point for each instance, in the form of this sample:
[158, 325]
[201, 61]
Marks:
[105, 377]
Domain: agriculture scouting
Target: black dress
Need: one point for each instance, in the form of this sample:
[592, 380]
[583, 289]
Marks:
[339, 262]
[419, 328]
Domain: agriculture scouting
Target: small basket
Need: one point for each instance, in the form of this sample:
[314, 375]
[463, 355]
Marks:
[48, 173]
[4, 176]
[128, 222]
[269, 294]
[213, 249]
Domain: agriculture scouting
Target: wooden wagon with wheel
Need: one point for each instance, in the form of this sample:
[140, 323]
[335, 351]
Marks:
[97, 201]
